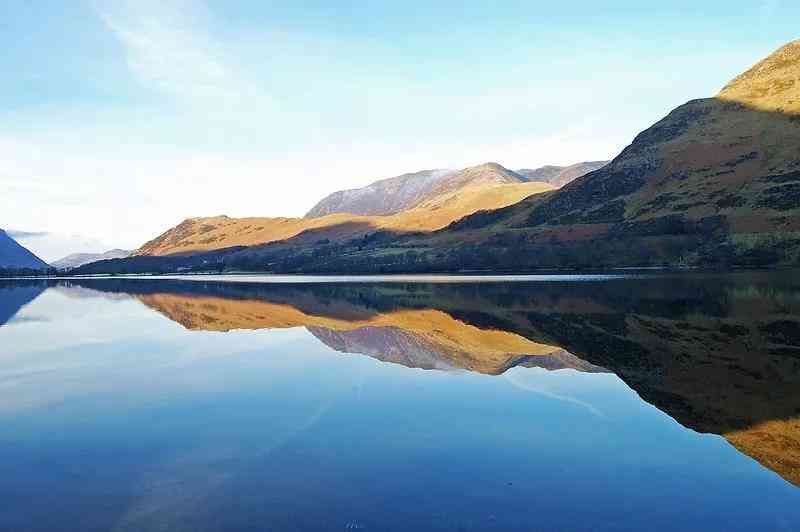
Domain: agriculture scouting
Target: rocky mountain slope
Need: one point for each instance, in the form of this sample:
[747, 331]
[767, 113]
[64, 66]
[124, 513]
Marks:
[715, 182]
[383, 197]
[13, 255]
[719, 175]
[390, 196]
[79, 259]
[460, 194]
[558, 176]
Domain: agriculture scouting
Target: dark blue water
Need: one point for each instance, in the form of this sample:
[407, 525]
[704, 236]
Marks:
[169, 405]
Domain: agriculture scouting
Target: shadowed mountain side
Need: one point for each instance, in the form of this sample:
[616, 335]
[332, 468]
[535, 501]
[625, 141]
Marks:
[13, 255]
[714, 183]
[719, 356]
[15, 295]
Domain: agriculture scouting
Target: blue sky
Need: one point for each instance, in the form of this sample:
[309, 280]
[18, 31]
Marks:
[120, 118]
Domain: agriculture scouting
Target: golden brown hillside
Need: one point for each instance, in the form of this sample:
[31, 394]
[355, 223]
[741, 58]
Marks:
[715, 181]
[771, 85]
[207, 234]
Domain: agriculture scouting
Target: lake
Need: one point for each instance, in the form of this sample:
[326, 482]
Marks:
[621, 403]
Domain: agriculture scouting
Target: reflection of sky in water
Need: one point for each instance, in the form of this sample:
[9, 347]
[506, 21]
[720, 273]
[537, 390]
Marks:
[114, 417]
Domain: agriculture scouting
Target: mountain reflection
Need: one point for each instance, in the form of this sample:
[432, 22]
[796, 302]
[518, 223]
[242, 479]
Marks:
[15, 294]
[719, 354]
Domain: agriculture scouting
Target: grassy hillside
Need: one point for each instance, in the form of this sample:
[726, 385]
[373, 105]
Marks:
[716, 182]
[476, 189]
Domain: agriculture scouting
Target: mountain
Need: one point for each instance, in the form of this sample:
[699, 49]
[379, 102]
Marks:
[390, 196]
[387, 196]
[558, 176]
[484, 175]
[714, 183]
[13, 255]
[454, 196]
[717, 180]
[79, 259]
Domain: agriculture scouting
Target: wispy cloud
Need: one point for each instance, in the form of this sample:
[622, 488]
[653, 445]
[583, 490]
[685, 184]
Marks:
[13, 233]
[169, 48]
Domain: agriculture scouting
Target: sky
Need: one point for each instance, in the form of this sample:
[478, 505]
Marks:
[121, 118]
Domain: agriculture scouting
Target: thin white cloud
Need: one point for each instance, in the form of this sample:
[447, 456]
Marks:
[169, 48]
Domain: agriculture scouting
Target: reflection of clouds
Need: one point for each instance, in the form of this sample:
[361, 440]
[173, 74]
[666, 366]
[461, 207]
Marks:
[78, 292]
[28, 319]
[64, 347]
[184, 484]
[176, 487]
[519, 380]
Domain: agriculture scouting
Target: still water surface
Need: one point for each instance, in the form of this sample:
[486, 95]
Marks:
[602, 403]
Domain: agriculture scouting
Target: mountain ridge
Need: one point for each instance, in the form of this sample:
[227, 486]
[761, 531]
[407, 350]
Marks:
[716, 182]
[462, 193]
[76, 260]
[392, 195]
[559, 176]
[14, 255]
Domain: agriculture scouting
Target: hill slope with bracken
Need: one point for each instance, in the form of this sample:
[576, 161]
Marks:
[460, 194]
[717, 180]
[714, 183]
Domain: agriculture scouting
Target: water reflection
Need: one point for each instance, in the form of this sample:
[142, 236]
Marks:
[719, 354]
[15, 295]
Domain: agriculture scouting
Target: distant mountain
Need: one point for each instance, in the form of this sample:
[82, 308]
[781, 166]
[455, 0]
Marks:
[487, 174]
[716, 182]
[454, 196]
[558, 176]
[396, 194]
[387, 196]
[79, 259]
[13, 255]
